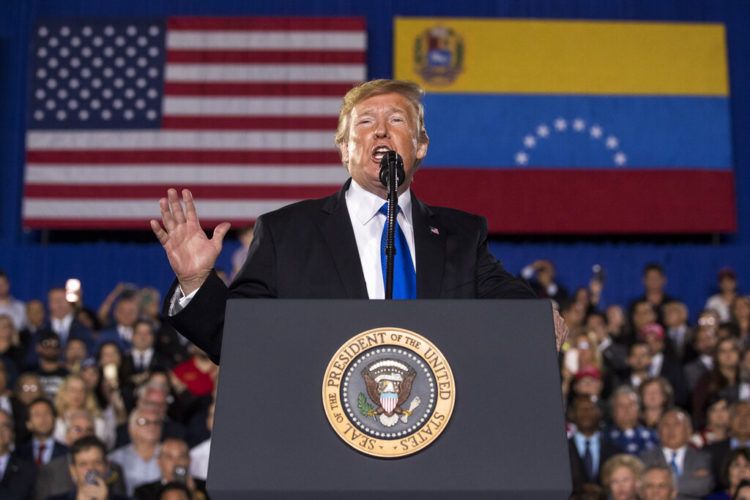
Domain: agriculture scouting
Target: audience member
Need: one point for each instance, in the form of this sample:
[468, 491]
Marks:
[139, 458]
[677, 330]
[36, 320]
[658, 483]
[63, 321]
[741, 318]
[621, 477]
[614, 355]
[11, 352]
[664, 363]
[41, 423]
[626, 432]
[717, 423]
[88, 468]
[14, 308]
[638, 362]
[735, 470]
[616, 324]
[656, 397]
[691, 467]
[174, 466]
[739, 437]
[143, 357]
[16, 475]
[704, 344]
[75, 396]
[541, 276]
[722, 301]
[75, 352]
[125, 316]
[654, 281]
[723, 379]
[199, 454]
[50, 368]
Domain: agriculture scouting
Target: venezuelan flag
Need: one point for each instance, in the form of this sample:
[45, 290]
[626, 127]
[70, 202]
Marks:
[574, 126]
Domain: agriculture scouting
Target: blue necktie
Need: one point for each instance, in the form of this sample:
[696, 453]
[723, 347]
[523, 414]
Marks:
[404, 277]
[673, 464]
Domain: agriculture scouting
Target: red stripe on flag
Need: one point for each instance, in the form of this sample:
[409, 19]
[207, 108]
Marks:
[154, 192]
[520, 201]
[148, 158]
[250, 89]
[250, 123]
[107, 224]
[267, 23]
[265, 56]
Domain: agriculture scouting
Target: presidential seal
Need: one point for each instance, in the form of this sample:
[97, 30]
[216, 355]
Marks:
[388, 392]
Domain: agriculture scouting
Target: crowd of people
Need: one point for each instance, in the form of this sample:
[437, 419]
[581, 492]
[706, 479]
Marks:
[113, 402]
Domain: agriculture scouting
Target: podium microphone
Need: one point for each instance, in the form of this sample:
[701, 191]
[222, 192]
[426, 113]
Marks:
[391, 169]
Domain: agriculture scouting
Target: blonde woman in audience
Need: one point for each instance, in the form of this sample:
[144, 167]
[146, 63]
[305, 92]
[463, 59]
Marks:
[74, 395]
[620, 477]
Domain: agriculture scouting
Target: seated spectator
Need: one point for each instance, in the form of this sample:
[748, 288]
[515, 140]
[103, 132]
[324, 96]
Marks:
[28, 389]
[741, 317]
[54, 478]
[722, 301]
[41, 422]
[143, 358]
[717, 423]
[154, 396]
[541, 276]
[11, 353]
[75, 352]
[704, 345]
[639, 360]
[174, 465]
[735, 470]
[691, 467]
[664, 363]
[16, 475]
[642, 314]
[626, 432]
[199, 454]
[588, 450]
[74, 396]
[739, 437]
[50, 369]
[88, 468]
[125, 316]
[621, 477]
[658, 483]
[723, 379]
[139, 458]
[10, 306]
[656, 397]
[676, 326]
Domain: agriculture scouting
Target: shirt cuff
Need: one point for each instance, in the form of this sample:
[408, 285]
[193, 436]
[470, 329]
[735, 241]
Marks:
[180, 300]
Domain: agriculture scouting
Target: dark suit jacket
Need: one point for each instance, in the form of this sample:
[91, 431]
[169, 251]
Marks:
[54, 479]
[26, 451]
[308, 250]
[696, 480]
[607, 450]
[18, 481]
[71, 495]
[151, 491]
[719, 453]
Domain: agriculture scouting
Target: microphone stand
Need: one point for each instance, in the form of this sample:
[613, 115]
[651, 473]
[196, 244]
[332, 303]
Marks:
[390, 248]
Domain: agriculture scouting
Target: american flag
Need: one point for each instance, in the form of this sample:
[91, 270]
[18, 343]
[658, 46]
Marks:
[240, 110]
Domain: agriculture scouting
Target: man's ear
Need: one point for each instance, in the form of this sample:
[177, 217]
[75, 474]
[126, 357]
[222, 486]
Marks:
[344, 152]
[422, 148]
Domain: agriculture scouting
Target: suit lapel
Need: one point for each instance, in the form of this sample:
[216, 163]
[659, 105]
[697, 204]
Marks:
[429, 245]
[336, 227]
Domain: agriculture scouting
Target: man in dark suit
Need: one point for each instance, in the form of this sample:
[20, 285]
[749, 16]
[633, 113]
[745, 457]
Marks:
[42, 447]
[587, 448]
[691, 467]
[330, 248]
[16, 475]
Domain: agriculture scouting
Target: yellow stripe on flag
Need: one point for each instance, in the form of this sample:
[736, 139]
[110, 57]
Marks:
[567, 57]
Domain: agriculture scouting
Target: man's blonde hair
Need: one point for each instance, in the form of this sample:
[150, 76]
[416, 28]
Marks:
[411, 91]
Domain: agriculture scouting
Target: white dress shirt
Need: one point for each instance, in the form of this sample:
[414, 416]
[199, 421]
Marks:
[679, 459]
[61, 327]
[367, 224]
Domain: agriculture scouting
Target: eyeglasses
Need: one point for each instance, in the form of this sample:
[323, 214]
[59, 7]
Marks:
[50, 343]
[142, 422]
[29, 388]
[82, 430]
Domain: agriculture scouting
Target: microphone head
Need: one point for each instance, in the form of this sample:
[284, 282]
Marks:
[389, 158]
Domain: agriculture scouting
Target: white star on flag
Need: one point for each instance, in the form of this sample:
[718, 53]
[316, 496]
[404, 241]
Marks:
[561, 124]
[529, 141]
[522, 158]
[620, 159]
[579, 125]
[542, 131]
[596, 131]
[612, 142]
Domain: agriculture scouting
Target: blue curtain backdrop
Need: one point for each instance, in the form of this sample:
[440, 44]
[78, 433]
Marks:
[34, 265]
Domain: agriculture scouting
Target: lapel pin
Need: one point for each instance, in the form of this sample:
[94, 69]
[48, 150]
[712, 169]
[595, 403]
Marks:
[434, 230]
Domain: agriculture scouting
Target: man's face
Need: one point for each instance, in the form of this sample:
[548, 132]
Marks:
[154, 399]
[377, 124]
[587, 415]
[41, 420]
[29, 388]
[126, 312]
[657, 485]
[675, 315]
[146, 427]
[654, 281]
[49, 349]
[639, 358]
[674, 430]
[143, 337]
[643, 314]
[58, 306]
[35, 313]
[6, 433]
[705, 340]
[4, 286]
[740, 423]
[625, 411]
[79, 426]
[173, 453]
[86, 460]
[623, 484]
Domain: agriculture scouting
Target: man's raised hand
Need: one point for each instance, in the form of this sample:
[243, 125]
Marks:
[191, 254]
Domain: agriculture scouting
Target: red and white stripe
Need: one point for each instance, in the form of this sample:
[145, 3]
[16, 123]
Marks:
[249, 113]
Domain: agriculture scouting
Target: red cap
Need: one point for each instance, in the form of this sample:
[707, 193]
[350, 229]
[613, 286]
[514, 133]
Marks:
[589, 371]
[652, 330]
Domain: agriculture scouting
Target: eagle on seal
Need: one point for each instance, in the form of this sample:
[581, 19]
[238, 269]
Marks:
[389, 384]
